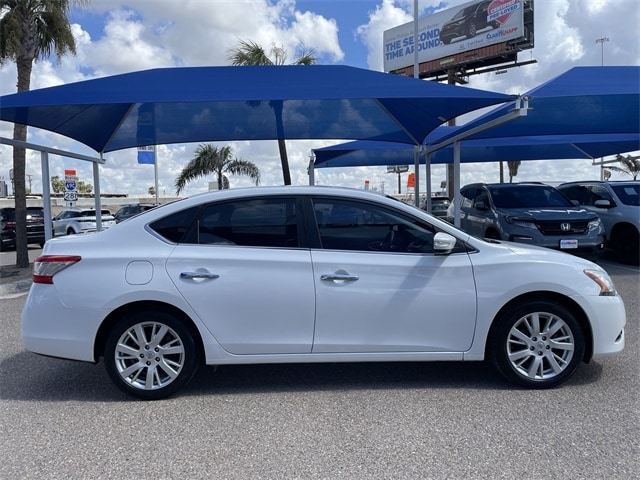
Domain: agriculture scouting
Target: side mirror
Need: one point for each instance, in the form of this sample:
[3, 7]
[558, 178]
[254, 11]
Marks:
[443, 243]
[482, 206]
[602, 204]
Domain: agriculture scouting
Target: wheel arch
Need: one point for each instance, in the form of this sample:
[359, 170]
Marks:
[621, 228]
[142, 306]
[547, 296]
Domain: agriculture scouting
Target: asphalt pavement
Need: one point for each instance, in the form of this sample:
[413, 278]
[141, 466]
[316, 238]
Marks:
[441, 420]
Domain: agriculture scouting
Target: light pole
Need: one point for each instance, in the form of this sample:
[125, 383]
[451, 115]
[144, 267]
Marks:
[601, 42]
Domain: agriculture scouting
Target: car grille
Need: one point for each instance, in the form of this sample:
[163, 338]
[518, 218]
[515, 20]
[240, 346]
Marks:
[554, 227]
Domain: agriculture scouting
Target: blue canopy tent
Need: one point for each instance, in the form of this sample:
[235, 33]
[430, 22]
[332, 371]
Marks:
[183, 105]
[581, 101]
[587, 112]
[361, 153]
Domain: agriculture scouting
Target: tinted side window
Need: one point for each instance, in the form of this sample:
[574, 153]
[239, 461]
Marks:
[576, 192]
[468, 196]
[352, 225]
[599, 193]
[481, 201]
[265, 222]
[174, 227]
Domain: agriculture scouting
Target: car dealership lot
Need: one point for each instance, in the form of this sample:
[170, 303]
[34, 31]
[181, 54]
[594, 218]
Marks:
[63, 419]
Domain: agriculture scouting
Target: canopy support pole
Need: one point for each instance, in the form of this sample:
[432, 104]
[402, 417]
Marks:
[416, 169]
[427, 164]
[46, 193]
[98, 201]
[456, 183]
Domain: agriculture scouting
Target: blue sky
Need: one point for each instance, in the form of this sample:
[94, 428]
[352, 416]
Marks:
[115, 36]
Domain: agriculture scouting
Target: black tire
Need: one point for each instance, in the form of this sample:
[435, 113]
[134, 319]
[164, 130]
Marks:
[626, 245]
[150, 355]
[492, 234]
[472, 30]
[537, 345]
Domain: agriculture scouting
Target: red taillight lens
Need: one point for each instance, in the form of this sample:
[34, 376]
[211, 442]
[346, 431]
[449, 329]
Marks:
[45, 267]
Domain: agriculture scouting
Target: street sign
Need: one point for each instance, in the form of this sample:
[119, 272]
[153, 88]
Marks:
[71, 196]
[397, 168]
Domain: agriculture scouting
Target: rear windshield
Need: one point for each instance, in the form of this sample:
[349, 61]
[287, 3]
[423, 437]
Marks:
[9, 215]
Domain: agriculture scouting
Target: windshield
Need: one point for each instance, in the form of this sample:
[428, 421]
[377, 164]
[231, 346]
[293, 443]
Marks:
[528, 196]
[628, 194]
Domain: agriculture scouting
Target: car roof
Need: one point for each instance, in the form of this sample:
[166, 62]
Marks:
[507, 185]
[601, 182]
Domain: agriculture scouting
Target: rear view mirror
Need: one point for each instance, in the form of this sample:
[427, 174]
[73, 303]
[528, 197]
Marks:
[443, 243]
[602, 204]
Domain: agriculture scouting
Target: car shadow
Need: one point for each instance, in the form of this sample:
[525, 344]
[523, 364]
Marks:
[28, 377]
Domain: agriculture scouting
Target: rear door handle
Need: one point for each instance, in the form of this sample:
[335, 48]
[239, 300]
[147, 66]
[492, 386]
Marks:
[339, 277]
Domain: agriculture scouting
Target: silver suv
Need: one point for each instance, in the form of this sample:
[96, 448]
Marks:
[531, 213]
[618, 205]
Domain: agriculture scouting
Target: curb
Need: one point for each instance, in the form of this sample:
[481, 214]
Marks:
[15, 288]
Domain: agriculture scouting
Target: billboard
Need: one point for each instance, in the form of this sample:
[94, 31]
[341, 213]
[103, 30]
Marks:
[469, 26]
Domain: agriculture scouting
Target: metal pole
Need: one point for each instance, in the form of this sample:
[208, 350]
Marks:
[601, 42]
[416, 62]
[155, 168]
[46, 194]
[98, 200]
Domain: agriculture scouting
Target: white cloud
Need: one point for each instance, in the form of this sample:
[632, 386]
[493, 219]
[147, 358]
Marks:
[154, 33]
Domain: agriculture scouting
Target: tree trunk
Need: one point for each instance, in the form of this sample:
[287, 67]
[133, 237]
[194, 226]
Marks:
[24, 67]
[284, 159]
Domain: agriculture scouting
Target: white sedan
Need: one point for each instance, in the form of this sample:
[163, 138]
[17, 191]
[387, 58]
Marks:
[72, 221]
[312, 274]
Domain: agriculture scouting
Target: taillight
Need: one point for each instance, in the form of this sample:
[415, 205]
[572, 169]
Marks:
[45, 267]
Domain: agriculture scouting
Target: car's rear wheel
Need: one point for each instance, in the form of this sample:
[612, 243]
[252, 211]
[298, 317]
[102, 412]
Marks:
[150, 355]
[538, 344]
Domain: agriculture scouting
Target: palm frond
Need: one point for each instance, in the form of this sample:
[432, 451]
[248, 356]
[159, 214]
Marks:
[211, 160]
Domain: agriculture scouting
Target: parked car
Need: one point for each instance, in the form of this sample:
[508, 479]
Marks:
[467, 22]
[263, 275]
[532, 213]
[439, 206]
[617, 204]
[129, 211]
[71, 221]
[35, 227]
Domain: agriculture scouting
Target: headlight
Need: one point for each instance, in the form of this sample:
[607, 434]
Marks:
[604, 282]
[520, 222]
[595, 224]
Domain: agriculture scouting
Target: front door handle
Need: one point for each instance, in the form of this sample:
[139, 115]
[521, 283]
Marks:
[198, 275]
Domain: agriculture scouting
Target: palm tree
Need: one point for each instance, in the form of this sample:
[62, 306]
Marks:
[30, 30]
[513, 169]
[217, 161]
[630, 165]
[250, 53]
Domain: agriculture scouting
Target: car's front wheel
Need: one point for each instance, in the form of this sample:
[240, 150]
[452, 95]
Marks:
[538, 344]
[150, 355]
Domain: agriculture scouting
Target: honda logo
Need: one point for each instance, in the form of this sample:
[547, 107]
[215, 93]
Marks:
[565, 227]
